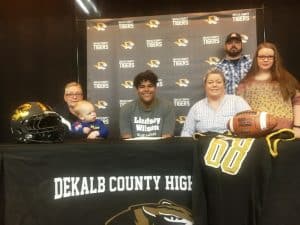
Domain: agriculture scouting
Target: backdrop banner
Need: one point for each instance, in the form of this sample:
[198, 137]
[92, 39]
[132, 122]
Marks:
[178, 48]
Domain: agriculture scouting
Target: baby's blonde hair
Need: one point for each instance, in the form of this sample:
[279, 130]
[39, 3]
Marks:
[80, 106]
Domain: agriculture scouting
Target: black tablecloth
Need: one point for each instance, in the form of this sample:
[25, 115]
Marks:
[119, 182]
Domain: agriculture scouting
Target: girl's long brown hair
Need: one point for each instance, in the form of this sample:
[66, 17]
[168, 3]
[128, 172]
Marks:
[287, 82]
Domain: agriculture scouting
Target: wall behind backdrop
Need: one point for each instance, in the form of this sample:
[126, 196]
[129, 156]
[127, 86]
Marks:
[40, 41]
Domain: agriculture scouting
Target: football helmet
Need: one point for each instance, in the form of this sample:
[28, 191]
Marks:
[35, 122]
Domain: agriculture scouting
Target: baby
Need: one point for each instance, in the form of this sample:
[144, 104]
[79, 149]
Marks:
[88, 123]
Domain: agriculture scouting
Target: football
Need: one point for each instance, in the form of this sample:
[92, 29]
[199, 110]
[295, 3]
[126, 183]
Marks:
[251, 124]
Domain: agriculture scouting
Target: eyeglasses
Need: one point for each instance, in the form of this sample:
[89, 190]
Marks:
[265, 57]
[73, 94]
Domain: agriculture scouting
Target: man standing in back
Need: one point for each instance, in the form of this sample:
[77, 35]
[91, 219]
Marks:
[234, 65]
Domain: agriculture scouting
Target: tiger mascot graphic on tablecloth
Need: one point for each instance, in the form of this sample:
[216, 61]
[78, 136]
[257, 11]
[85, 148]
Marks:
[164, 212]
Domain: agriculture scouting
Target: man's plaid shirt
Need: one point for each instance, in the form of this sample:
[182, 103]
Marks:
[234, 72]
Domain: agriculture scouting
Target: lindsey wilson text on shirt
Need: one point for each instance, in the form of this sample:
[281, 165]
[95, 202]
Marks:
[146, 125]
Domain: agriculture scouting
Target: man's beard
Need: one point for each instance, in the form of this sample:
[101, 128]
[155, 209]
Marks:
[233, 53]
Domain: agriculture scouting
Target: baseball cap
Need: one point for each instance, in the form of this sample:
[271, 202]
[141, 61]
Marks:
[233, 35]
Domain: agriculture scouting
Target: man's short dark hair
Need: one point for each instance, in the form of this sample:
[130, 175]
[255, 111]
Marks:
[147, 75]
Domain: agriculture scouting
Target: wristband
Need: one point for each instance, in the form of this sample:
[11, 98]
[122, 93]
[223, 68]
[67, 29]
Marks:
[297, 126]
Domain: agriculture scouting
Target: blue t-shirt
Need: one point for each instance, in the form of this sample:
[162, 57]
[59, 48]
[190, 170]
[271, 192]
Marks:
[97, 125]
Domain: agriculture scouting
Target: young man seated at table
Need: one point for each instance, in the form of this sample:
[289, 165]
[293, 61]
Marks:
[147, 116]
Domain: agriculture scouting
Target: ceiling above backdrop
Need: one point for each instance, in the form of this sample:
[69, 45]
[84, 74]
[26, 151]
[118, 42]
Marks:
[86, 9]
